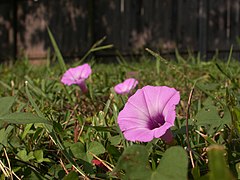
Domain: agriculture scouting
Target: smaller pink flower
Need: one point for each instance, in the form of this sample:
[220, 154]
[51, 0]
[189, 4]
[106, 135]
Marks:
[126, 86]
[77, 76]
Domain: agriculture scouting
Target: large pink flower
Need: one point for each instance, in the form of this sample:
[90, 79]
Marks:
[77, 76]
[149, 113]
[126, 86]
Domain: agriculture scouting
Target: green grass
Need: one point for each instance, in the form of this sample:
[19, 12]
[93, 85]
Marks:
[84, 125]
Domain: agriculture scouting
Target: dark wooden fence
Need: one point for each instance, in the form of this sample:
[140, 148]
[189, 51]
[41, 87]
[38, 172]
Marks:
[163, 25]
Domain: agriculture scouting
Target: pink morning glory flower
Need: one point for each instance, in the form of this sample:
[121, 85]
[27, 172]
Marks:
[77, 76]
[126, 86]
[149, 113]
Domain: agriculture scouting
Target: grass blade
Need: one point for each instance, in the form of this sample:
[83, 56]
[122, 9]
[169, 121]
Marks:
[229, 56]
[23, 118]
[53, 135]
[6, 104]
[57, 51]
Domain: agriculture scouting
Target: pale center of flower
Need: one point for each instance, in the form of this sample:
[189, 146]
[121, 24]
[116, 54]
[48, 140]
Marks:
[156, 122]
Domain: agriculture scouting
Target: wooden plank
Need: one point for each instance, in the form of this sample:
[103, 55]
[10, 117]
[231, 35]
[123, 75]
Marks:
[224, 27]
[129, 10]
[202, 27]
[187, 30]
[157, 31]
[129, 24]
[107, 21]
[235, 27]
[68, 24]
[234, 22]
[217, 25]
[31, 25]
[6, 30]
[133, 18]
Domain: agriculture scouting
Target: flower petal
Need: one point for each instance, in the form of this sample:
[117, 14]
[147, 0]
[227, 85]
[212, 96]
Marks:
[76, 75]
[139, 134]
[85, 70]
[149, 112]
[169, 110]
[132, 112]
[126, 86]
[152, 97]
[68, 77]
[130, 83]
[138, 102]
[119, 89]
[131, 123]
[158, 132]
[158, 97]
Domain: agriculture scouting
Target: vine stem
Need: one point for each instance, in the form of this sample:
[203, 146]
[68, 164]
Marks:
[63, 166]
[187, 130]
[107, 166]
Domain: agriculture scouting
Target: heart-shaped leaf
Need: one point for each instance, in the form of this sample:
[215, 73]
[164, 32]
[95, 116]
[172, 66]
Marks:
[173, 165]
[135, 165]
[134, 161]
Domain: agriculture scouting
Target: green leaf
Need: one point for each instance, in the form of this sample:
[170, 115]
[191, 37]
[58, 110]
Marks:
[209, 115]
[4, 133]
[24, 156]
[71, 176]
[79, 151]
[209, 86]
[236, 118]
[173, 165]
[115, 140]
[134, 161]
[38, 154]
[6, 104]
[95, 148]
[26, 130]
[217, 163]
[23, 118]
[238, 169]
[196, 172]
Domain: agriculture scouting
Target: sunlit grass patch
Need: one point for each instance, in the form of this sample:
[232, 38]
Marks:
[50, 130]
